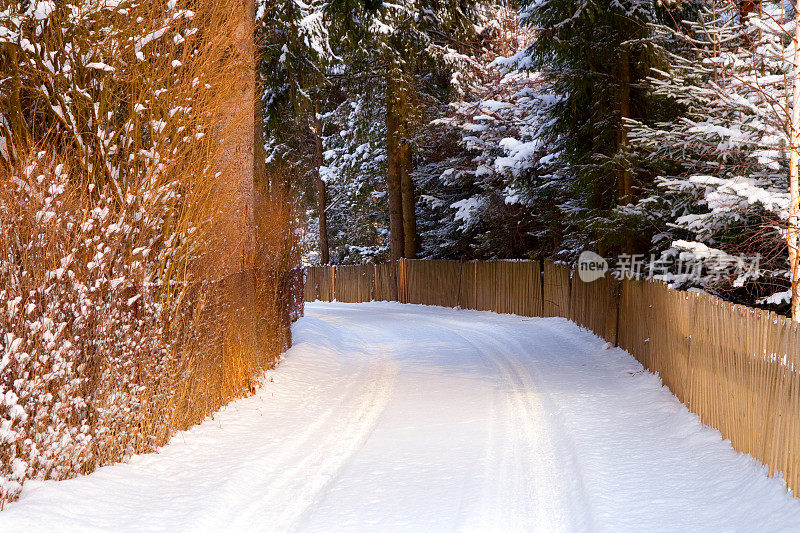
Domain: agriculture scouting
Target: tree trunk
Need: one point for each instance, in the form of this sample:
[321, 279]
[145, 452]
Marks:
[794, 191]
[745, 8]
[324, 253]
[409, 203]
[624, 178]
[393, 169]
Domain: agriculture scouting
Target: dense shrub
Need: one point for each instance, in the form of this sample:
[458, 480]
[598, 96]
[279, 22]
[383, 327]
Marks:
[114, 332]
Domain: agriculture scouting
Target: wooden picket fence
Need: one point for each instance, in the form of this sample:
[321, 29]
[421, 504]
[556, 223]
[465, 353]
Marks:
[737, 367]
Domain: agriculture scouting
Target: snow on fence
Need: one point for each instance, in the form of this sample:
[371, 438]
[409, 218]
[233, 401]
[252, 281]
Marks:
[735, 367]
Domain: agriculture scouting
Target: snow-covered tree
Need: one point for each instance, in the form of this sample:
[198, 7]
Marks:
[293, 68]
[595, 55]
[354, 166]
[386, 64]
[482, 153]
[410, 50]
[723, 189]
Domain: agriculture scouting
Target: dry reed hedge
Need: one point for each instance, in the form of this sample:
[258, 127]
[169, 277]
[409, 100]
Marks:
[735, 366]
[112, 334]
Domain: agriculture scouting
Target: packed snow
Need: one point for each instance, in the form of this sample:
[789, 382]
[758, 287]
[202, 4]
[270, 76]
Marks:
[387, 417]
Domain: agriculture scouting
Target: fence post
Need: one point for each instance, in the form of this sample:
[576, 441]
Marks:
[402, 281]
[617, 295]
[475, 284]
[401, 276]
[333, 283]
[569, 292]
[405, 280]
[541, 287]
[460, 281]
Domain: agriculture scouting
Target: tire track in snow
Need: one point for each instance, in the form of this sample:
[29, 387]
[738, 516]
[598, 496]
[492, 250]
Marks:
[388, 417]
[297, 477]
[544, 484]
[304, 484]
[301, 484]
[511, 499]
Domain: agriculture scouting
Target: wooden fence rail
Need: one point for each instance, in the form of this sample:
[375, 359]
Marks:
[738, 368]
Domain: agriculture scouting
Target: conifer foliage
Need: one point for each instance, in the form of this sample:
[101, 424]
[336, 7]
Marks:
[543, 128]
[723, 161]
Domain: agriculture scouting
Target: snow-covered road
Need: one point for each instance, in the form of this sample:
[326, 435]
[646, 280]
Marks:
[396, 417]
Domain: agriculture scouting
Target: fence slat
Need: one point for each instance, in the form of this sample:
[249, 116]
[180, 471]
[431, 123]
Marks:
[556, 289]
[434, 282]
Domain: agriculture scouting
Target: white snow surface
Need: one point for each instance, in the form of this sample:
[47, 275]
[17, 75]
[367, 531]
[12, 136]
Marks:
[392, 417]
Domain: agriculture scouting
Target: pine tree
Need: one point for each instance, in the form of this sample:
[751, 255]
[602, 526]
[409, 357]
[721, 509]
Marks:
[595, 55]
[481, 152]
[724, 163]
[410, 48]
[294, 55]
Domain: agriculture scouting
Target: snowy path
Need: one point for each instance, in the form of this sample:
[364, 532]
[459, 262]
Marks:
[394, 417]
